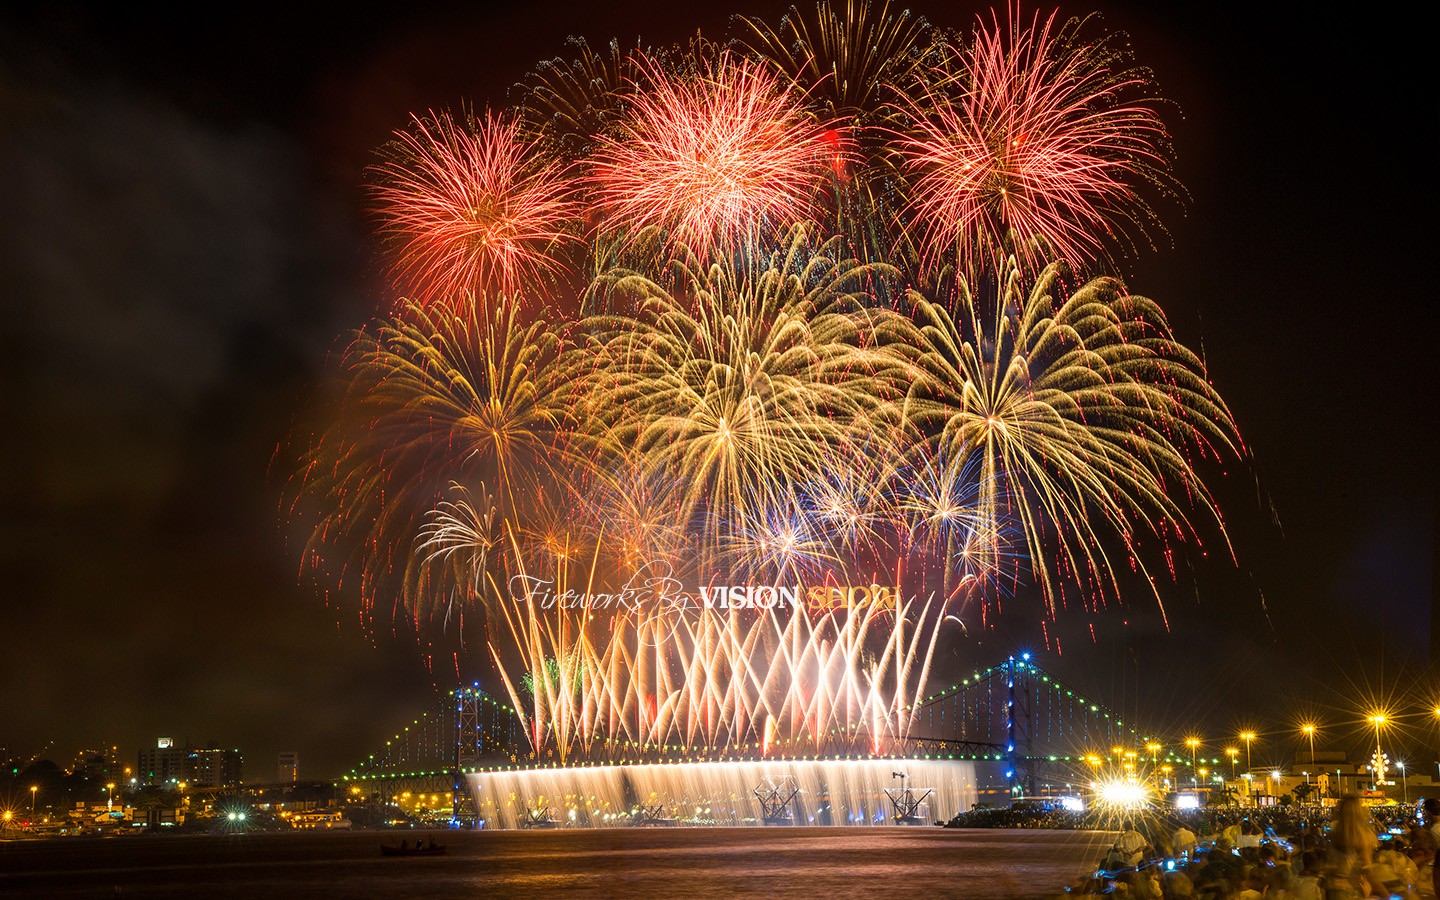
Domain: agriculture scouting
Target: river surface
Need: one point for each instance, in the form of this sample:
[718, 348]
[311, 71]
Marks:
[823, 863]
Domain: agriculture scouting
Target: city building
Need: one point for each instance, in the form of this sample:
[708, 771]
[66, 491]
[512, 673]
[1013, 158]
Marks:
[287, 769]
[210, 766]
[98, 765]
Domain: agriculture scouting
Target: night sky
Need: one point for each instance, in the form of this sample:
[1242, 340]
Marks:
[184, 241]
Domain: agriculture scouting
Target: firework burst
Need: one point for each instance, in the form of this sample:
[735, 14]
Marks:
[711, 158]
[570, 101]
[433, 400]
[1074, 416]
[1032, 141]
[472, 208]
[745, 390]
[846, 62]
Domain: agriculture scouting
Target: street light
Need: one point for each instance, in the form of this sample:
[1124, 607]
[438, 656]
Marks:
[1404, 782]
[1247, 737]
[1232, 753]
[1378, 720]
[1437, 721]
[1154, 749]
[1194, 744]
[1308, 729]
[35, 787]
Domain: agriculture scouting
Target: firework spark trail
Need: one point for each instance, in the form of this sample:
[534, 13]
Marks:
[637, 513]
[948, 515]
[438, 399]
[473, 208]
[1032, 142]
[593, 678]
[568, 103]
[712, 159]
[848, 61]
[752, 391]
[1081, 413]
[851, 501]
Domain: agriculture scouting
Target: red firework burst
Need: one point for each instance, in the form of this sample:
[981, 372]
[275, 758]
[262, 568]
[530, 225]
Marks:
[1032, 141]
[712, 159]
[473, 208]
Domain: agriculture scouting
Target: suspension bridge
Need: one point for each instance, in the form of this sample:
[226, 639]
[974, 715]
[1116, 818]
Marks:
[1014, 714]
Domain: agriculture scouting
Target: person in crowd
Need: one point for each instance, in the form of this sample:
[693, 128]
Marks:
[1307, 884]
[1129, 848]
[1231, 833]
[1177, 885]
[1222, 872]
[1183, 842]
[1430, 812]
[1273, 867]
[1145, 883]
[1353, 843]
[1422, 857]
[1249, 835]
[1394, 868]
[1255, 887]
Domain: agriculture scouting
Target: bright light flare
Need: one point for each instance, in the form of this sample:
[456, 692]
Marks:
[1121, 794]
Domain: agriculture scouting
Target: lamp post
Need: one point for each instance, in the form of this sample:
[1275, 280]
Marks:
[34, 788]
[1247, 737]
[1404, 782]
[1308, 729]
[1232, 753]
[1378, 720]
[1154, 749]
[1194, 744]
[1437, 722]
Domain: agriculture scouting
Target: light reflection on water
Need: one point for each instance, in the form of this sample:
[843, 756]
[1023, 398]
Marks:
[621, 862]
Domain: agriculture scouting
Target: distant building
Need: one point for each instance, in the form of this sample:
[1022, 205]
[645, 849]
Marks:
[98, 765]
[287, 769]
[211, 766]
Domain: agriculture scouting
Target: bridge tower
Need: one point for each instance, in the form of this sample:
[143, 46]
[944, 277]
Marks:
[468, 737]
[1019, 726]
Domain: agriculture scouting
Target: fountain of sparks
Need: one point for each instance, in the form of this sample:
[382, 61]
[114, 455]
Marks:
[827, 791]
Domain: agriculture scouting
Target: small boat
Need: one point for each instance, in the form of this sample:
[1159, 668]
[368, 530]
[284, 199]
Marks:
[431, 849]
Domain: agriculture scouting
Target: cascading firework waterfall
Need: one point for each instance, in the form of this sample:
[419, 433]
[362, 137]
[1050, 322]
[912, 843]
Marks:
[605, 673]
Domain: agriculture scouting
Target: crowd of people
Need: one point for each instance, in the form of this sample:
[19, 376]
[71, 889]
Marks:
[1349, 852]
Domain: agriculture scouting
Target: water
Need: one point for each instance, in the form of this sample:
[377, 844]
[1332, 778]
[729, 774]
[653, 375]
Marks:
[826, 792]
[809, 863]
